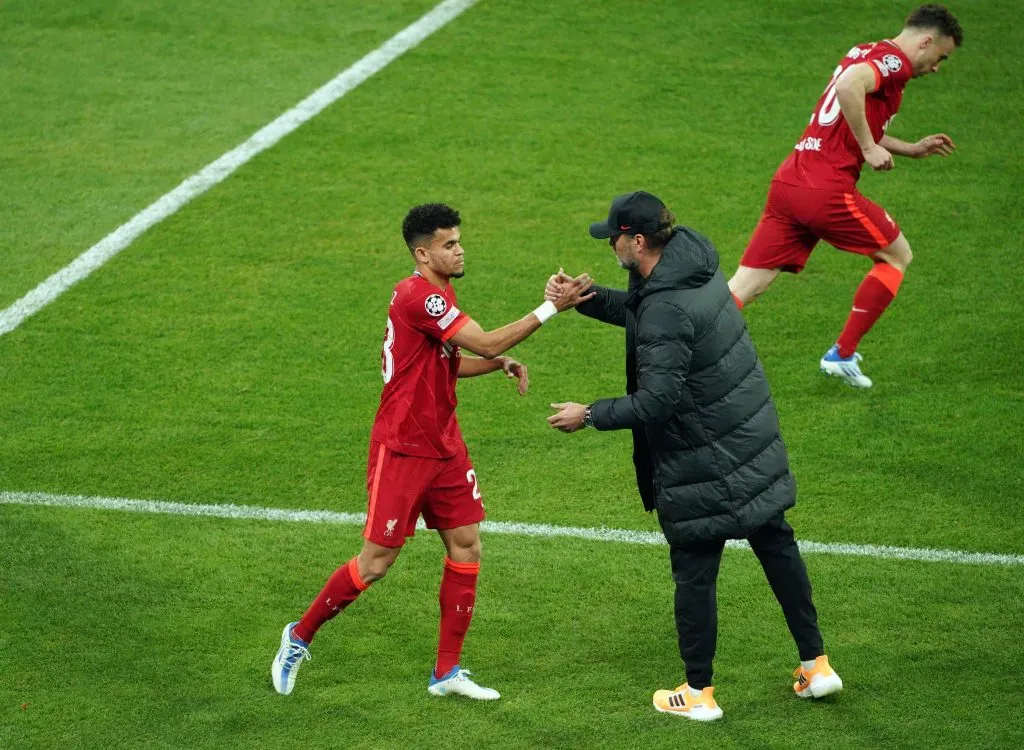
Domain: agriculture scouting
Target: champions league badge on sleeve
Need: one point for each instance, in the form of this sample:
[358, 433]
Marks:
[436, 305]
[893, 62]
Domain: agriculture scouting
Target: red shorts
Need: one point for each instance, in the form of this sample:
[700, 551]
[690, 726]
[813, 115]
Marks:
[401, 487]
[795, 218]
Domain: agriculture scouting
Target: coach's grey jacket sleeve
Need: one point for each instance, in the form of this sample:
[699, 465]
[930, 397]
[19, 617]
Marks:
[663, 350]
[608, 306]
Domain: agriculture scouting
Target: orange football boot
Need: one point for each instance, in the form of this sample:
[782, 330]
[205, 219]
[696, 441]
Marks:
[680, 702]
[817, 682]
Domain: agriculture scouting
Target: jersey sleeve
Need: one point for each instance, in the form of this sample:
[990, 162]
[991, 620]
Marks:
[427, 311]
[891, 71]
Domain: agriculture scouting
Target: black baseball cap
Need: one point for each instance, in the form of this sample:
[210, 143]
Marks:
[633, 213]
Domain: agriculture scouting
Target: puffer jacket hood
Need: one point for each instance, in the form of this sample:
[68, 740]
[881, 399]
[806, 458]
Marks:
[687, 262]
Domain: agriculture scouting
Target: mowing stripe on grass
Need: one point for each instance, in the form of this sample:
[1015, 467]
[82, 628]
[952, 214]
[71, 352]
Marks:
[251, 512]
[215, 172]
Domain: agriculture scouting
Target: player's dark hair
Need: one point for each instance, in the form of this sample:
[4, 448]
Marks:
[933, 16]
[658, 239]
[422, 221]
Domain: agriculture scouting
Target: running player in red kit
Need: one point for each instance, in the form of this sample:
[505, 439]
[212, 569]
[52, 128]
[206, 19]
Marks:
[418, 462]
[813, 195]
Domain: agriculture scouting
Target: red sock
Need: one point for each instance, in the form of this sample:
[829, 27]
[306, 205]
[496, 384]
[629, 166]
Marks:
[873, 295]
[458, 594]
[737, 300]
[341, 589]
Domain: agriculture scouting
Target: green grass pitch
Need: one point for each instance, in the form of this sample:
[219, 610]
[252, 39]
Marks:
[231, 355]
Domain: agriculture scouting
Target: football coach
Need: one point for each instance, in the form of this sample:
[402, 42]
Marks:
[706, 444]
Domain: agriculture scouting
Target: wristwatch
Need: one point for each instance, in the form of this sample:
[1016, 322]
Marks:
[588, 417]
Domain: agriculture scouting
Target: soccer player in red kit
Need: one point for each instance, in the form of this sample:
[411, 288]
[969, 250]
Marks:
[813, 195]
[418, 461]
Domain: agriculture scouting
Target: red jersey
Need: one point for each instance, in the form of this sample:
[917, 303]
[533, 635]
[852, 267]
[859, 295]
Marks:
[417, 406]
[828, 156]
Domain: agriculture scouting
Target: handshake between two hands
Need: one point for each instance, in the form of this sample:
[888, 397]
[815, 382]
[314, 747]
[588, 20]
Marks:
[563, 291]
[566, 291]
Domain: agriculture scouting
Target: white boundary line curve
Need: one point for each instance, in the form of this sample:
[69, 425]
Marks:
[627, 536]
[215, 172]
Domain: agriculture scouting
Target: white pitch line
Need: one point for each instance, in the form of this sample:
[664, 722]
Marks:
[250, 512]
[213, 173]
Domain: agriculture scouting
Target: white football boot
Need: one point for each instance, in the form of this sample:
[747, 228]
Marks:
[846, 368]
[288, 660]
[457, 682]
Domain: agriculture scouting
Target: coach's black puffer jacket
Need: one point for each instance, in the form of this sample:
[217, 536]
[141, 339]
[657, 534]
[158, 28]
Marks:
[706, 442]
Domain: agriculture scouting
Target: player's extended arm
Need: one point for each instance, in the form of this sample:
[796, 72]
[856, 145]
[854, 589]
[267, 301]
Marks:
[897, 147]
[940, 143]
[607, 305]
[853, 85]
[491, 344]
[470, 367]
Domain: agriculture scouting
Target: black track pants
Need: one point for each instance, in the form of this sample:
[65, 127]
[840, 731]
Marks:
[695, 571]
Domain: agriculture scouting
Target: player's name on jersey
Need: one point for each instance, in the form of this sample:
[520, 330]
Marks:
[810, 143]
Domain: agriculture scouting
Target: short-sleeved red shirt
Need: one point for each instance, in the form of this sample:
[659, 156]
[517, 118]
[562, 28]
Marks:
[420, 366]
[828, 157]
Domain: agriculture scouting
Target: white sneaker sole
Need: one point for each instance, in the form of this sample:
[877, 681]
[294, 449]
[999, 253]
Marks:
[833, 371]
[822, 686]
[474, 691]
[697, 714]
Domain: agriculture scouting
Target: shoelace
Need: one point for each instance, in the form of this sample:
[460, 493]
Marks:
[296, 655]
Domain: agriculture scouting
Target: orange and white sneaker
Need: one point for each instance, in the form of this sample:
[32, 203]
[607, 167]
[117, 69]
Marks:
[681, 702]
[817, 682]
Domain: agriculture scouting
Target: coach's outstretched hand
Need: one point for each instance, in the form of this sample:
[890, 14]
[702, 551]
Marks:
[570, 291]
[569, 417]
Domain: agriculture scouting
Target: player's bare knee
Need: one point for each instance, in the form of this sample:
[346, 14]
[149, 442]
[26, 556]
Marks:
[374, 563]
[463, 543]
[375, 569]
[907, 257]
[898, 254]
[468, 551]
[749, 283]
[898, 259]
